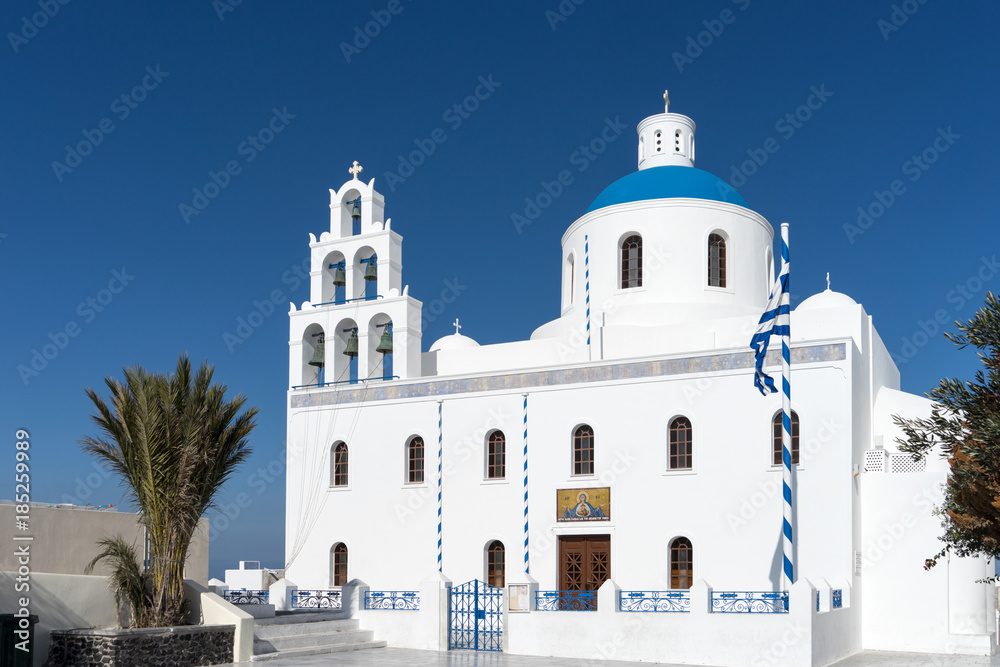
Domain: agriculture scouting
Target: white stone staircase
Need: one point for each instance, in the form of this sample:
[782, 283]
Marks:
[309, 633]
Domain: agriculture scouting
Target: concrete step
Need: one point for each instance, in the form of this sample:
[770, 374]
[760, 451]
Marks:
[317, 639]
[318, 650]
[262, 631]
[286, 617]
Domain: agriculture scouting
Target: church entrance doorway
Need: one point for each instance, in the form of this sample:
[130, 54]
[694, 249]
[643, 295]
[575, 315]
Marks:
[584, 564]
[475, 617]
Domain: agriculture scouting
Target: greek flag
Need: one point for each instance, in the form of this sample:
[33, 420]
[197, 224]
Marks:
[774, 322]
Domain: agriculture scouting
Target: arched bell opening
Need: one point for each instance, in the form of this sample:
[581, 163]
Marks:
[334, 289]
[365, 273]
[350, 213]
[313, 355]
[345, 352]
[380, 347]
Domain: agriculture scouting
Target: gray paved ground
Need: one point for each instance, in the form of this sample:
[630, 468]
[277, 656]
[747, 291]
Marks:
[397, 657]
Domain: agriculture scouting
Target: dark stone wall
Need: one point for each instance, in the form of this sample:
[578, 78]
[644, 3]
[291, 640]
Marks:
[151, 647]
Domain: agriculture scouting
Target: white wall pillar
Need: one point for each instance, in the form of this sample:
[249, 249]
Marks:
[434, 593]
[352, 597]
[701, 598]
[280, 594]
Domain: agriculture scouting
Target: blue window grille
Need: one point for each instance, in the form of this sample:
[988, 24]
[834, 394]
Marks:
[817, 600]
[653, 601]
[316, 599]
[838, 598]
[749, 602]
[395, 600]
[245, 597]
[566, 600]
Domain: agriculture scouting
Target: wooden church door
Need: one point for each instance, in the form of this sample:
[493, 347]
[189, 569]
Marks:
[584, 562]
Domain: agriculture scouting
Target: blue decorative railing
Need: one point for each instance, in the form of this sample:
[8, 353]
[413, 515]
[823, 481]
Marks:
[750, 602]
[316, 599]
[838, 598]
[817, 600]
[398, 600]
[245, 597]
[566, 600]
[668, 601]
[339, 382]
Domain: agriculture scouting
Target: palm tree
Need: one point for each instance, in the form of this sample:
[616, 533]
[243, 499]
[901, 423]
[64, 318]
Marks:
[128, 582]
[173, 440]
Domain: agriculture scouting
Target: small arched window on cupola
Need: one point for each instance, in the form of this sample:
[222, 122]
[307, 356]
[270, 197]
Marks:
[716, 261]
[631, 262]
[658, 141]
[677, 141]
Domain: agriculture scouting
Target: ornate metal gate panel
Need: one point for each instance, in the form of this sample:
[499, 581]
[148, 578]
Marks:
[475, 617]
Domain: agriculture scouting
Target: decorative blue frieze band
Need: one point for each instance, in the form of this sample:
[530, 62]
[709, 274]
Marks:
[603, 373]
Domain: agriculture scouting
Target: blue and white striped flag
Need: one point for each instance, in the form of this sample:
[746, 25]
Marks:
[774, 322]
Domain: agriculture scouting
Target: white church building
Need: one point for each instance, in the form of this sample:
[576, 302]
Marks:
[612, 486]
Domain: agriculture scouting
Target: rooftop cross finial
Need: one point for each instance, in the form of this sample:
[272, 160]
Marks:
[828, 280]
[457, 326]
[666, 101]
[355, 170]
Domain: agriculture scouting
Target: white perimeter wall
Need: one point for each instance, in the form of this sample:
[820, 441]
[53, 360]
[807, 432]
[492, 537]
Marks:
[907, 608]
[61, 601]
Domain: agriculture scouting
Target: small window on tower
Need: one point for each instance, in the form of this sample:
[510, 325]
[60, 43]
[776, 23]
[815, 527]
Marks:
[658, 135]
[716, 261]
[632, 262]
[677, 141]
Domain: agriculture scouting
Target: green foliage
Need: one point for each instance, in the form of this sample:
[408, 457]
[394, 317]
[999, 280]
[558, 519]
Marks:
[965, 423]
[128, 582]
[173, 441]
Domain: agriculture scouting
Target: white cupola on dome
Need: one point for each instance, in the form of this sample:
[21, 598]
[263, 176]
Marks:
[666, 139]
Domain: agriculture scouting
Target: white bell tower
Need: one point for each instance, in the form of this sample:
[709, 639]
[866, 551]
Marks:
[357, 300]
[666, 139]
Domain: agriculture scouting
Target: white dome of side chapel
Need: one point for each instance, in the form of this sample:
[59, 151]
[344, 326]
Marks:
[455, 341]
[826, 299]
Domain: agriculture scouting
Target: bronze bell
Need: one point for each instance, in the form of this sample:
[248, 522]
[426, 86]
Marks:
[352, 345]
[339, 278]
[385, 343]
[319, 354]
[356, 212]
[371, 273]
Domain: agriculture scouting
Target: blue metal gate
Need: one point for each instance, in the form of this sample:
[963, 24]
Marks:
[475, 617]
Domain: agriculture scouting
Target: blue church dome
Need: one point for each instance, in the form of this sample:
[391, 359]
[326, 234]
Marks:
[666, 183]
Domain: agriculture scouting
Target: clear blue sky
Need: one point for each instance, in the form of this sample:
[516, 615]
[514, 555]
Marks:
[893, 85]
